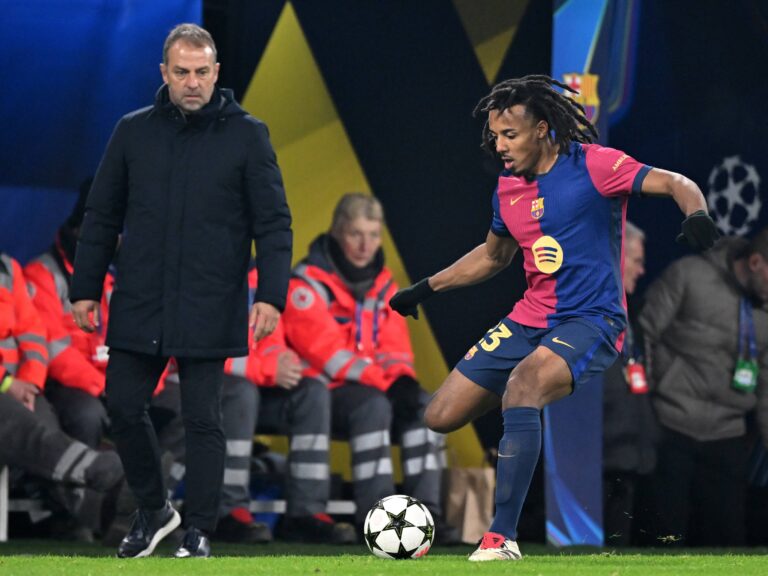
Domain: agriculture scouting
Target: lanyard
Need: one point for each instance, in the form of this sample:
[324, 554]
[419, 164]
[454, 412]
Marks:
[358, 325]
[747, 330]
[628, 352]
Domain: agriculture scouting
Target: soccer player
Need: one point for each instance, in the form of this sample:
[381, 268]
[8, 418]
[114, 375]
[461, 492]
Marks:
[562, 200]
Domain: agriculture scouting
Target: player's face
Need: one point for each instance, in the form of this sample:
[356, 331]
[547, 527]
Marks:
[360, 241]
[519, 139]
[634, 263]
[191, 74]
[757, 283]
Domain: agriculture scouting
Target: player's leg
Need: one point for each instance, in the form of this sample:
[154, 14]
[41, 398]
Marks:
[479, 380]
[457, 402]
[539, 379]
[571, 352]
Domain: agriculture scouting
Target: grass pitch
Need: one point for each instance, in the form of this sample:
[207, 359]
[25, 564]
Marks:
[33, 557]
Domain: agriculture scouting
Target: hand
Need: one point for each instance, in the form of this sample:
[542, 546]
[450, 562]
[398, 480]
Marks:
[25, 392]
[288, 370]
[86, 314]
[405, 395]
[264, 318]
[406, 300]
[699, 231]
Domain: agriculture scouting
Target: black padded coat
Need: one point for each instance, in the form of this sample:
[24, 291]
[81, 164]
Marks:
[186, 195]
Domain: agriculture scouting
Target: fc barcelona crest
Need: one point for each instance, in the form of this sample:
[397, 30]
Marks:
[586, 86]
[537, 208]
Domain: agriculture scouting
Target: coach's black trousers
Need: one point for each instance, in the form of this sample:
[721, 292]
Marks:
[131, 380]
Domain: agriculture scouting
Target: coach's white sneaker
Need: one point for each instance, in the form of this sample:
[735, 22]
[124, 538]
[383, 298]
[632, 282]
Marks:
[495, 547]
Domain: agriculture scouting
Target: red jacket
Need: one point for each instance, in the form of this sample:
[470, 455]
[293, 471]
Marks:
[260, 366]
[77, 359]
[342, 338]
[23, 349]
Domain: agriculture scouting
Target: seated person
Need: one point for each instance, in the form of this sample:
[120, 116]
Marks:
[78, 360]
[23, 349]
[32, 438]
[34, 447]
[264, 392]
[338, 320]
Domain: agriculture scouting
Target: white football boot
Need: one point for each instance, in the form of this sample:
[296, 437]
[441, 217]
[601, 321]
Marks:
[495, 547]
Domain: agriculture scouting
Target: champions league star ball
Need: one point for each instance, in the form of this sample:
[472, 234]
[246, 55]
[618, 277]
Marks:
[399, 527]
[734, 196]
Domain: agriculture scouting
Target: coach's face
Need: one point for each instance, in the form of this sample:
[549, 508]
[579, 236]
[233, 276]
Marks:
[191, 74]
[519, 139]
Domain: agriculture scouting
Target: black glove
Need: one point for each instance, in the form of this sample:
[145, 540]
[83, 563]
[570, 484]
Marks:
[406, 300]
[699, 231]
[405, 395]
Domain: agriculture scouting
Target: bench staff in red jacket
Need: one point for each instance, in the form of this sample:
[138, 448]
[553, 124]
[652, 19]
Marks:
[338, 320]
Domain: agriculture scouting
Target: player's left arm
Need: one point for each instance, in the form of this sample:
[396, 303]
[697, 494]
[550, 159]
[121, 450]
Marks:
[684, 191]
[698, 229]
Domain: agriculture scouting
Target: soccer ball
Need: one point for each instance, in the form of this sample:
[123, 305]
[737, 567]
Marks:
[399, 527]
[734, 196]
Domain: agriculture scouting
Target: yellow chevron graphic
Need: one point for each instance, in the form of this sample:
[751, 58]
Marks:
[318, 162]
[491, 26]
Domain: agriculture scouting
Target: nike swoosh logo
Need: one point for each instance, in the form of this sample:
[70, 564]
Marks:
[515, 200]
[557, 340]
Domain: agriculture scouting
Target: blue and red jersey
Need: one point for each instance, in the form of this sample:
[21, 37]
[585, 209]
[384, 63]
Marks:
[569, 224]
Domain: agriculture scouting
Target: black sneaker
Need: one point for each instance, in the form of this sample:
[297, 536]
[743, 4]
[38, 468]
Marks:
[242, 529]
[195, 545]
[148, 529]
[318, 529]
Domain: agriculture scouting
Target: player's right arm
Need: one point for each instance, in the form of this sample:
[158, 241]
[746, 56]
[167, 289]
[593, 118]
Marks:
[478, 265]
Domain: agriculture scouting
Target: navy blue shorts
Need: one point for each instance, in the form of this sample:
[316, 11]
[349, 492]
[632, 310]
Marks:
[586, 349]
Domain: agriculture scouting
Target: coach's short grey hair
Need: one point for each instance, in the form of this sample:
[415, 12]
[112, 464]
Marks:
[191, 33]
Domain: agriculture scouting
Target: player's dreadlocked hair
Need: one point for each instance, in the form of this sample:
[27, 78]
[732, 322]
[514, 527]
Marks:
[564, 115]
